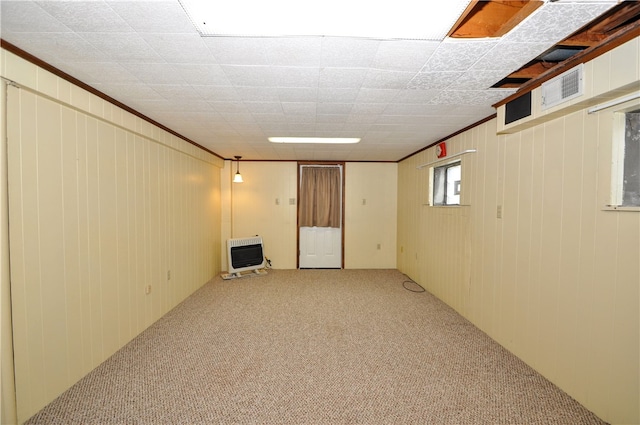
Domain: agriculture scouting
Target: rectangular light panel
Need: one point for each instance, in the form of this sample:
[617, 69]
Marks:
[325, 140]
[399, 19]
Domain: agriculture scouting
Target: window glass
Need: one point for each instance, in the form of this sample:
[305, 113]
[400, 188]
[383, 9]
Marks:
[446, 184]
[631, 167]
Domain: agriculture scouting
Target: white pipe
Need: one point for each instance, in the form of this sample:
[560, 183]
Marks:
[606, 105]
[446, 157]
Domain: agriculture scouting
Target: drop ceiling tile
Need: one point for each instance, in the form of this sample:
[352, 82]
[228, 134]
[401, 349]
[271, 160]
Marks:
[64, 46]
[175, 92]
[509, 57]
[95, 72]
[337, 95]
[362, 119]
[22, 16]
[264, 107]
[343, 52]
[334, 108]
[154, 73]
[258, 94]
[230, 107]
[238, 50]
[367, 95]
[86, 16]
[556, 20]
[412, 109]
[127, 47]
[346, 78]
[202, 74]
[153, 17]
[381, 79]
[457, 55]
[218, 93]
[179, 48]
[268, 117]
[190, 105]
[299, 108]
[403, 55]
[232, 116]
[270, 127]
[296, 76]
[471, 97]
[368, 109]
[297, 94]
[122, 92]
[415, 96]
[433, 80]
[477, 79]
[294, 51]
[254, 76]
[301, 119]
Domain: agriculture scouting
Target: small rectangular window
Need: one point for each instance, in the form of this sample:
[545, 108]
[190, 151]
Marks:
[446, 184]
[625, 183]
[631, 167]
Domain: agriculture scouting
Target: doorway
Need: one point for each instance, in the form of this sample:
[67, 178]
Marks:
[320, 215]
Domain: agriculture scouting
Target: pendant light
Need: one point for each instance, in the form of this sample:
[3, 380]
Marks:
[237, 178]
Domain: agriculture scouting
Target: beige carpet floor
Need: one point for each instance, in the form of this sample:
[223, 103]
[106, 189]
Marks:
[313, 347]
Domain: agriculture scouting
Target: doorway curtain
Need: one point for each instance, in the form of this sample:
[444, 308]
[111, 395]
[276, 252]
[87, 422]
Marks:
[320, 197]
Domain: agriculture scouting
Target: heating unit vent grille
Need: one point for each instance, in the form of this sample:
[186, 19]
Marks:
[562, 88]
[257, 240]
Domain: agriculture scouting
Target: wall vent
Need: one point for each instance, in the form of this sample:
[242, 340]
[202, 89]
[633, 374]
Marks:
[518, 108]
[563, 88]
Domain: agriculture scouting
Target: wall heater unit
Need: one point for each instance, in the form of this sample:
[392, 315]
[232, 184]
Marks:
[244, 254]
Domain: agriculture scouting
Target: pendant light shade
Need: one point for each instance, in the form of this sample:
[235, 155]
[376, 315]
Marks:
[237, 178]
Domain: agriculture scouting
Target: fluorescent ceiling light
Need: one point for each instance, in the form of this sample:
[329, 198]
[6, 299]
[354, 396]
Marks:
[399, 19]
[338, 140]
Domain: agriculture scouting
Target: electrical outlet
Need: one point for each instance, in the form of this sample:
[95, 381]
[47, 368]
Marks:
[499, 211]
[147, 289]
[378, 246]
[364, 201]
[277, 201]
[168, 274]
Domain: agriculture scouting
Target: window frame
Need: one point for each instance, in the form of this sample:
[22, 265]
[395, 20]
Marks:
[617, 159]
[432, 179]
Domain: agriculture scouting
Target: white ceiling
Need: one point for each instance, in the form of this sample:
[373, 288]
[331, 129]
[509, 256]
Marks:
[229, 94]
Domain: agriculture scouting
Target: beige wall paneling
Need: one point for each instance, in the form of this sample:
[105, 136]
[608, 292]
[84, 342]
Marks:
[370, 215]
[555, 280]
[260, 206]
[97, 214]
[253, 209]
[8, 414]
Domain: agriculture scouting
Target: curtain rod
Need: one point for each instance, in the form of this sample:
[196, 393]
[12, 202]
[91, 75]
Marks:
[616, 102]
[446, 157]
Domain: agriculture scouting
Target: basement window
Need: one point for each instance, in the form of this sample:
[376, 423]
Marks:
[625, 177]
[445, 185]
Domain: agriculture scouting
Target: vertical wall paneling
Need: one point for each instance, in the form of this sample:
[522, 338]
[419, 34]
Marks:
[555, 280]
[266, 204]
[8, 412]
[98, 213]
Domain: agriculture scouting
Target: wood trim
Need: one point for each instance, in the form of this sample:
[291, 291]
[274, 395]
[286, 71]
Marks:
[44, 65]
[444, 139]
[624, 35]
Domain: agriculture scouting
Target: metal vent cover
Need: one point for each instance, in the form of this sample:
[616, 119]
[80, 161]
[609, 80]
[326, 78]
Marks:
[563, 88]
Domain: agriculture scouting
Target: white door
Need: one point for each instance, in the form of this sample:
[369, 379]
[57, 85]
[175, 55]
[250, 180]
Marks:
[321, 247]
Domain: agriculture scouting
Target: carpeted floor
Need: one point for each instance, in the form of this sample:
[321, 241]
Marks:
[313, 347]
